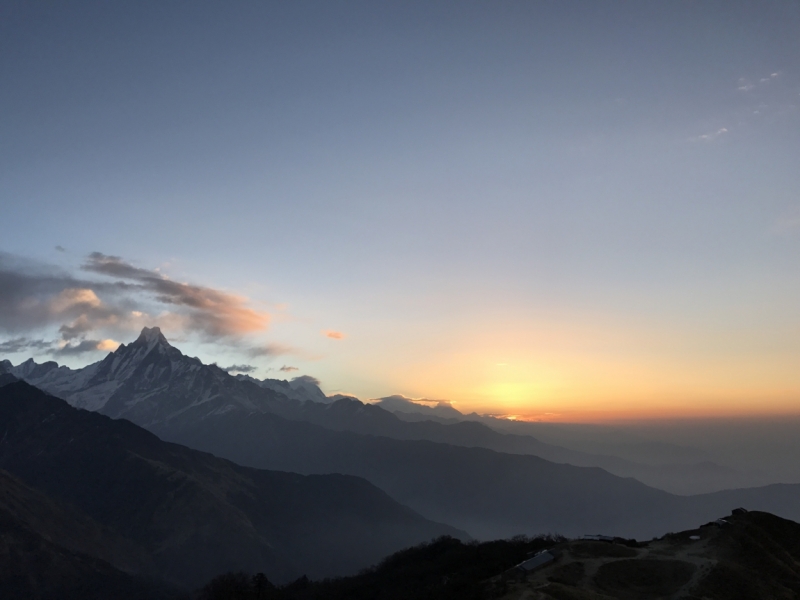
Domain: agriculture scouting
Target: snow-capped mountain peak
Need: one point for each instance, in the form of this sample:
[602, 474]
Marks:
[128, 357]
[149, 381]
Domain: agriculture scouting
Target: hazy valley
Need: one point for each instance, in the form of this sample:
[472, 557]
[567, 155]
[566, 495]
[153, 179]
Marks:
[327, 486]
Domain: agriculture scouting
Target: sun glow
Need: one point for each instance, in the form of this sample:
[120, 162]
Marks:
[581, 370]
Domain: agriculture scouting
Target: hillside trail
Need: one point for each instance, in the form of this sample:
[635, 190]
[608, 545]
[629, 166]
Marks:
[575, 572]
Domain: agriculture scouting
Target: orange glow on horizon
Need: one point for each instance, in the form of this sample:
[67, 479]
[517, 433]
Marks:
[590, 373]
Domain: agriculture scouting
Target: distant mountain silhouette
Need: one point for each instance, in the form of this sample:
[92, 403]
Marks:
[447, 472]
[489, 494]
[302, 389]
[154, 385]
[192, 513]
[349, 414]
[439, 411]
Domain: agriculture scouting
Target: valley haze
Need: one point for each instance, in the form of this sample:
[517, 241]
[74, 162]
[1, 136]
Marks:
[464, 470]
[683, 457]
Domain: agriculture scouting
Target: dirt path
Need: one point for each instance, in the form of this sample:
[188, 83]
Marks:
[578, 564]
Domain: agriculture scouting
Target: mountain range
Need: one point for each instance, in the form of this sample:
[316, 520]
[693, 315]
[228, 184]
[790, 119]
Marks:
[488, 483]
[111, 490]
[154, 385]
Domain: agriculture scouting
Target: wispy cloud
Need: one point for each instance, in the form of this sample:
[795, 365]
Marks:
[709, 137]
[277, 349]
[757, 101]
[288, 369]
[766, 99]
[213, 312]
[747, 85]
[22, 344]
[334, 335]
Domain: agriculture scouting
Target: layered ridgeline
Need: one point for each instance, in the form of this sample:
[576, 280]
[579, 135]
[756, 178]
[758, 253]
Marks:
[155, 385]
[151, 382]
[84, 485]
[461, 473]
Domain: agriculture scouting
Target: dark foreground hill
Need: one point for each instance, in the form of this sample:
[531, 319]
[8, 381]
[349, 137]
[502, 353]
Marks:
[749, 556]
[43, 552]
[190, 513]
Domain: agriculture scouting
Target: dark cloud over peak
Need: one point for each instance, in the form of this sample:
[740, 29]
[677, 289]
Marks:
[81, 347]
[77, 328]
[240, 369]
[115, 266]
[33, 295]
[21, 344]
[307, 379]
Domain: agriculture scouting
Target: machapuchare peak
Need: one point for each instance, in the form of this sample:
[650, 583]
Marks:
[151, 336]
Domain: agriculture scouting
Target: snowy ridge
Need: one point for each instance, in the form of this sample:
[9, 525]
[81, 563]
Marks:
[301, 389]
[151, 382]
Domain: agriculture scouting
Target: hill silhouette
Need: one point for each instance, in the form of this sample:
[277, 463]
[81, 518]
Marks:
[47, 551]
[443, 471]
[191, 513]
[745, 556]
[749, 556]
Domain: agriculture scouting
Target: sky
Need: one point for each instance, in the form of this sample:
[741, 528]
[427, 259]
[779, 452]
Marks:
[558, 210]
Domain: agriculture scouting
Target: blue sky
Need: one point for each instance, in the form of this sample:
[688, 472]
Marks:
[533, 206]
